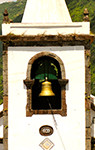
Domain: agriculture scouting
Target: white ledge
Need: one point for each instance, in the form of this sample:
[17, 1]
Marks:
[48, 28]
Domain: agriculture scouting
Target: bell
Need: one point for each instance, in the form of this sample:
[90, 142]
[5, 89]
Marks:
[46, 89]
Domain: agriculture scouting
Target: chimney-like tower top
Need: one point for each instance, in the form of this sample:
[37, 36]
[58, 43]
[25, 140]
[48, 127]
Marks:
[46, 11]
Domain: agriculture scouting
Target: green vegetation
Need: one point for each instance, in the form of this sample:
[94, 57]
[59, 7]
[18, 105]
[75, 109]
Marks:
[76, 8]
[15, 11]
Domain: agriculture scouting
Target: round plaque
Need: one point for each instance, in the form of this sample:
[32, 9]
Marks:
[46, 130]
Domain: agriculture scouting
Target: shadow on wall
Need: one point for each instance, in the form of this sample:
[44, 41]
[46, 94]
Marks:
[1, 147]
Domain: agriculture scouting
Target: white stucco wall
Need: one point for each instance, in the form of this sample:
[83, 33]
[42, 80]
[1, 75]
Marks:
[47, 28]
[92, 123]
[1, 127]
[1, 107]
[1, 122]
[23, 132]
[1, 147]
[93, 99]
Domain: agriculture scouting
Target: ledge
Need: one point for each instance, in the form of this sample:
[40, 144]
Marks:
[29, 83]
[43, 37]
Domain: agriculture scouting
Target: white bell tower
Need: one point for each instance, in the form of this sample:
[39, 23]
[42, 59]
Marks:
[46, 44]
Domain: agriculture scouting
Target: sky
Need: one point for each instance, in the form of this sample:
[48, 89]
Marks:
[2, 1]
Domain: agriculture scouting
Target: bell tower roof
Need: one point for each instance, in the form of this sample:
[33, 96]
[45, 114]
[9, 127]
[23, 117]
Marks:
[46, 11]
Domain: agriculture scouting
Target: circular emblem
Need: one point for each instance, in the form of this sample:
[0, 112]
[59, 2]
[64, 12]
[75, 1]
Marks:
[46, 130]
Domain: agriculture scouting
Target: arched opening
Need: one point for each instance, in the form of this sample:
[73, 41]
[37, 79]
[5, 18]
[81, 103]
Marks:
[43, 67]
[45, 64]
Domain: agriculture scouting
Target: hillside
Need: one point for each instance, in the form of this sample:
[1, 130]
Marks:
[76, 8]
[4, 1]
[15, 10]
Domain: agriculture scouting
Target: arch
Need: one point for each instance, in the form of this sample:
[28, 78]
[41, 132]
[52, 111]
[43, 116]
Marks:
[49, 54]
[30, 109]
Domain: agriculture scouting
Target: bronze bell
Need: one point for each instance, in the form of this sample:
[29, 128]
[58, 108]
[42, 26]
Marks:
[46, 89]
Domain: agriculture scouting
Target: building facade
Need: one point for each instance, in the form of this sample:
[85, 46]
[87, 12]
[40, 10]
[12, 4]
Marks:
[47, 44]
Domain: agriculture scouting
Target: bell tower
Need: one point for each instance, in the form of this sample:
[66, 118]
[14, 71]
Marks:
[46, 52]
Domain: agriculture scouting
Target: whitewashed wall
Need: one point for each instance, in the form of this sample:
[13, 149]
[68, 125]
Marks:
[1, 122]
[92, 123]
[47, 29]
[1, 126]
[23, 131]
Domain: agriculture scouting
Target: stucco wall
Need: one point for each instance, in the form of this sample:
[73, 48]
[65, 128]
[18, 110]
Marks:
[47, 29]
[92, 123]
[1, 122]
[1, 147]
[23, 132]
[1, 127]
